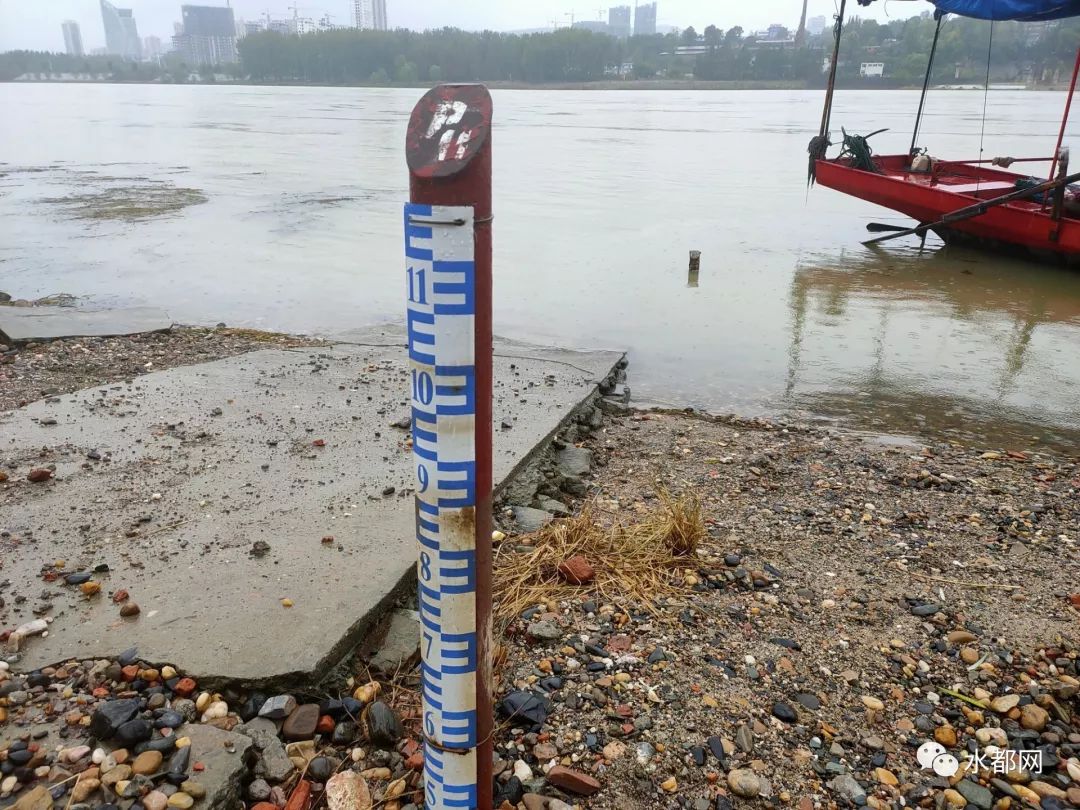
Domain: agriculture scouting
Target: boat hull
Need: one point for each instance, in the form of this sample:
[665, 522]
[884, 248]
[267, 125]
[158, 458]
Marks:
[1023, 226]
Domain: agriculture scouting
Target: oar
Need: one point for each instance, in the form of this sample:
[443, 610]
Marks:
[978, 209]
[884, 227]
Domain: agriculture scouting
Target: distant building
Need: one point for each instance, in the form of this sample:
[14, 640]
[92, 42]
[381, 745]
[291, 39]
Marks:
[121, 34]
[596, 26]
[645, 20]
[776, 36]
[302, 25]
[152, 48]
[72, 38]
[208, 36]
[816, 26]
[872, 70]
[618, 20]
[370, 14]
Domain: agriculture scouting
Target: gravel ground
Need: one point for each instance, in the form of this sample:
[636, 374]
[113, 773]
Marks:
[37, 370]
[844, 587]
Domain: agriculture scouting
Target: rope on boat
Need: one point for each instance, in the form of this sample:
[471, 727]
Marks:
[819, 144]
[857, 149]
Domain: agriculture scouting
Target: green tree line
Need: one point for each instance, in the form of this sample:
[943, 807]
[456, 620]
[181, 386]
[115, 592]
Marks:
[1028, 52]
[350, 56]
[1020, 51]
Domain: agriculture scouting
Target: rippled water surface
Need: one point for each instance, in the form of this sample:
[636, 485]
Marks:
[599, 197]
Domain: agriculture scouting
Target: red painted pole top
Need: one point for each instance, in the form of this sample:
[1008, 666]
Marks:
[448, 147]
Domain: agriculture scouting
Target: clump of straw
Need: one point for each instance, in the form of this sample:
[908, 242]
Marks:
[633, 561]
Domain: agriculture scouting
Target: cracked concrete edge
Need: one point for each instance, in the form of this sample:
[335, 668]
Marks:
[329, 667]
[541, 447]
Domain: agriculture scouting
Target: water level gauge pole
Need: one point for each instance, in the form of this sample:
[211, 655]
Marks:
[448, 284]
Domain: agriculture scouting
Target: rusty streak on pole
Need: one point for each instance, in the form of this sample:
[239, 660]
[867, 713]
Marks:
[448, 149]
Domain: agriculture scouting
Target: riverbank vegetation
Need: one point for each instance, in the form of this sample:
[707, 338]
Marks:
[1035, 54]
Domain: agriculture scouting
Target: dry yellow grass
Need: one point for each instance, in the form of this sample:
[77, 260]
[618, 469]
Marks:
[633, 561]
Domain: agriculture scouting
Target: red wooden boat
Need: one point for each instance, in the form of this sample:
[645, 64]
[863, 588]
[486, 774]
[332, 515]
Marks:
[962, 201]
[926, 197]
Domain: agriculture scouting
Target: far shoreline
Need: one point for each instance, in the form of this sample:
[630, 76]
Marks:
[628, 85]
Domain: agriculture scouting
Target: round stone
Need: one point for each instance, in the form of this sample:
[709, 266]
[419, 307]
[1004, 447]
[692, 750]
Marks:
[193, 789]
[146, 763]
[1034, 717]
[73, 755]
[320, 769]
[84, 788]
[782, 711]
[180, 801]
[118, 774]
[744, 782]
[259, 790]
[1005, 703]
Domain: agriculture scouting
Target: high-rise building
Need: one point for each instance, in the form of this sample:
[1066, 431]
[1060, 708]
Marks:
[121, 33]
[645, 20]
[208, 37]
[72, 38]
[152, 48]
[816, 25]
[619, 21]
[370, 14]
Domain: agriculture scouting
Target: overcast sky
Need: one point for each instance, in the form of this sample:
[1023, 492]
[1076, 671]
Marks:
[35, 24]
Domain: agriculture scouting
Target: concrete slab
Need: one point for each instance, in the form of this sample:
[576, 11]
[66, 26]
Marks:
[199, 463]
[25, 324]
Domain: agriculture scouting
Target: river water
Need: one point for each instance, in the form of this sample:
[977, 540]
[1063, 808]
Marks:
[599, 197]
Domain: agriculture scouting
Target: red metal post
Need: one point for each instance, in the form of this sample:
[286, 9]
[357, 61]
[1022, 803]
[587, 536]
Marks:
[1065, 117]
[448, 149]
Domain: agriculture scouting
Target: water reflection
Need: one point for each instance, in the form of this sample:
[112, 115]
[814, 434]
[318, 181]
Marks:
[939, 341]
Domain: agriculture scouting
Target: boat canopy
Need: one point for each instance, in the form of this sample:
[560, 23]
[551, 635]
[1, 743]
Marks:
[1026, 10]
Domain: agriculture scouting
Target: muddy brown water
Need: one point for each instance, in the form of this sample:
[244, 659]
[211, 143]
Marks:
[600, 196]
